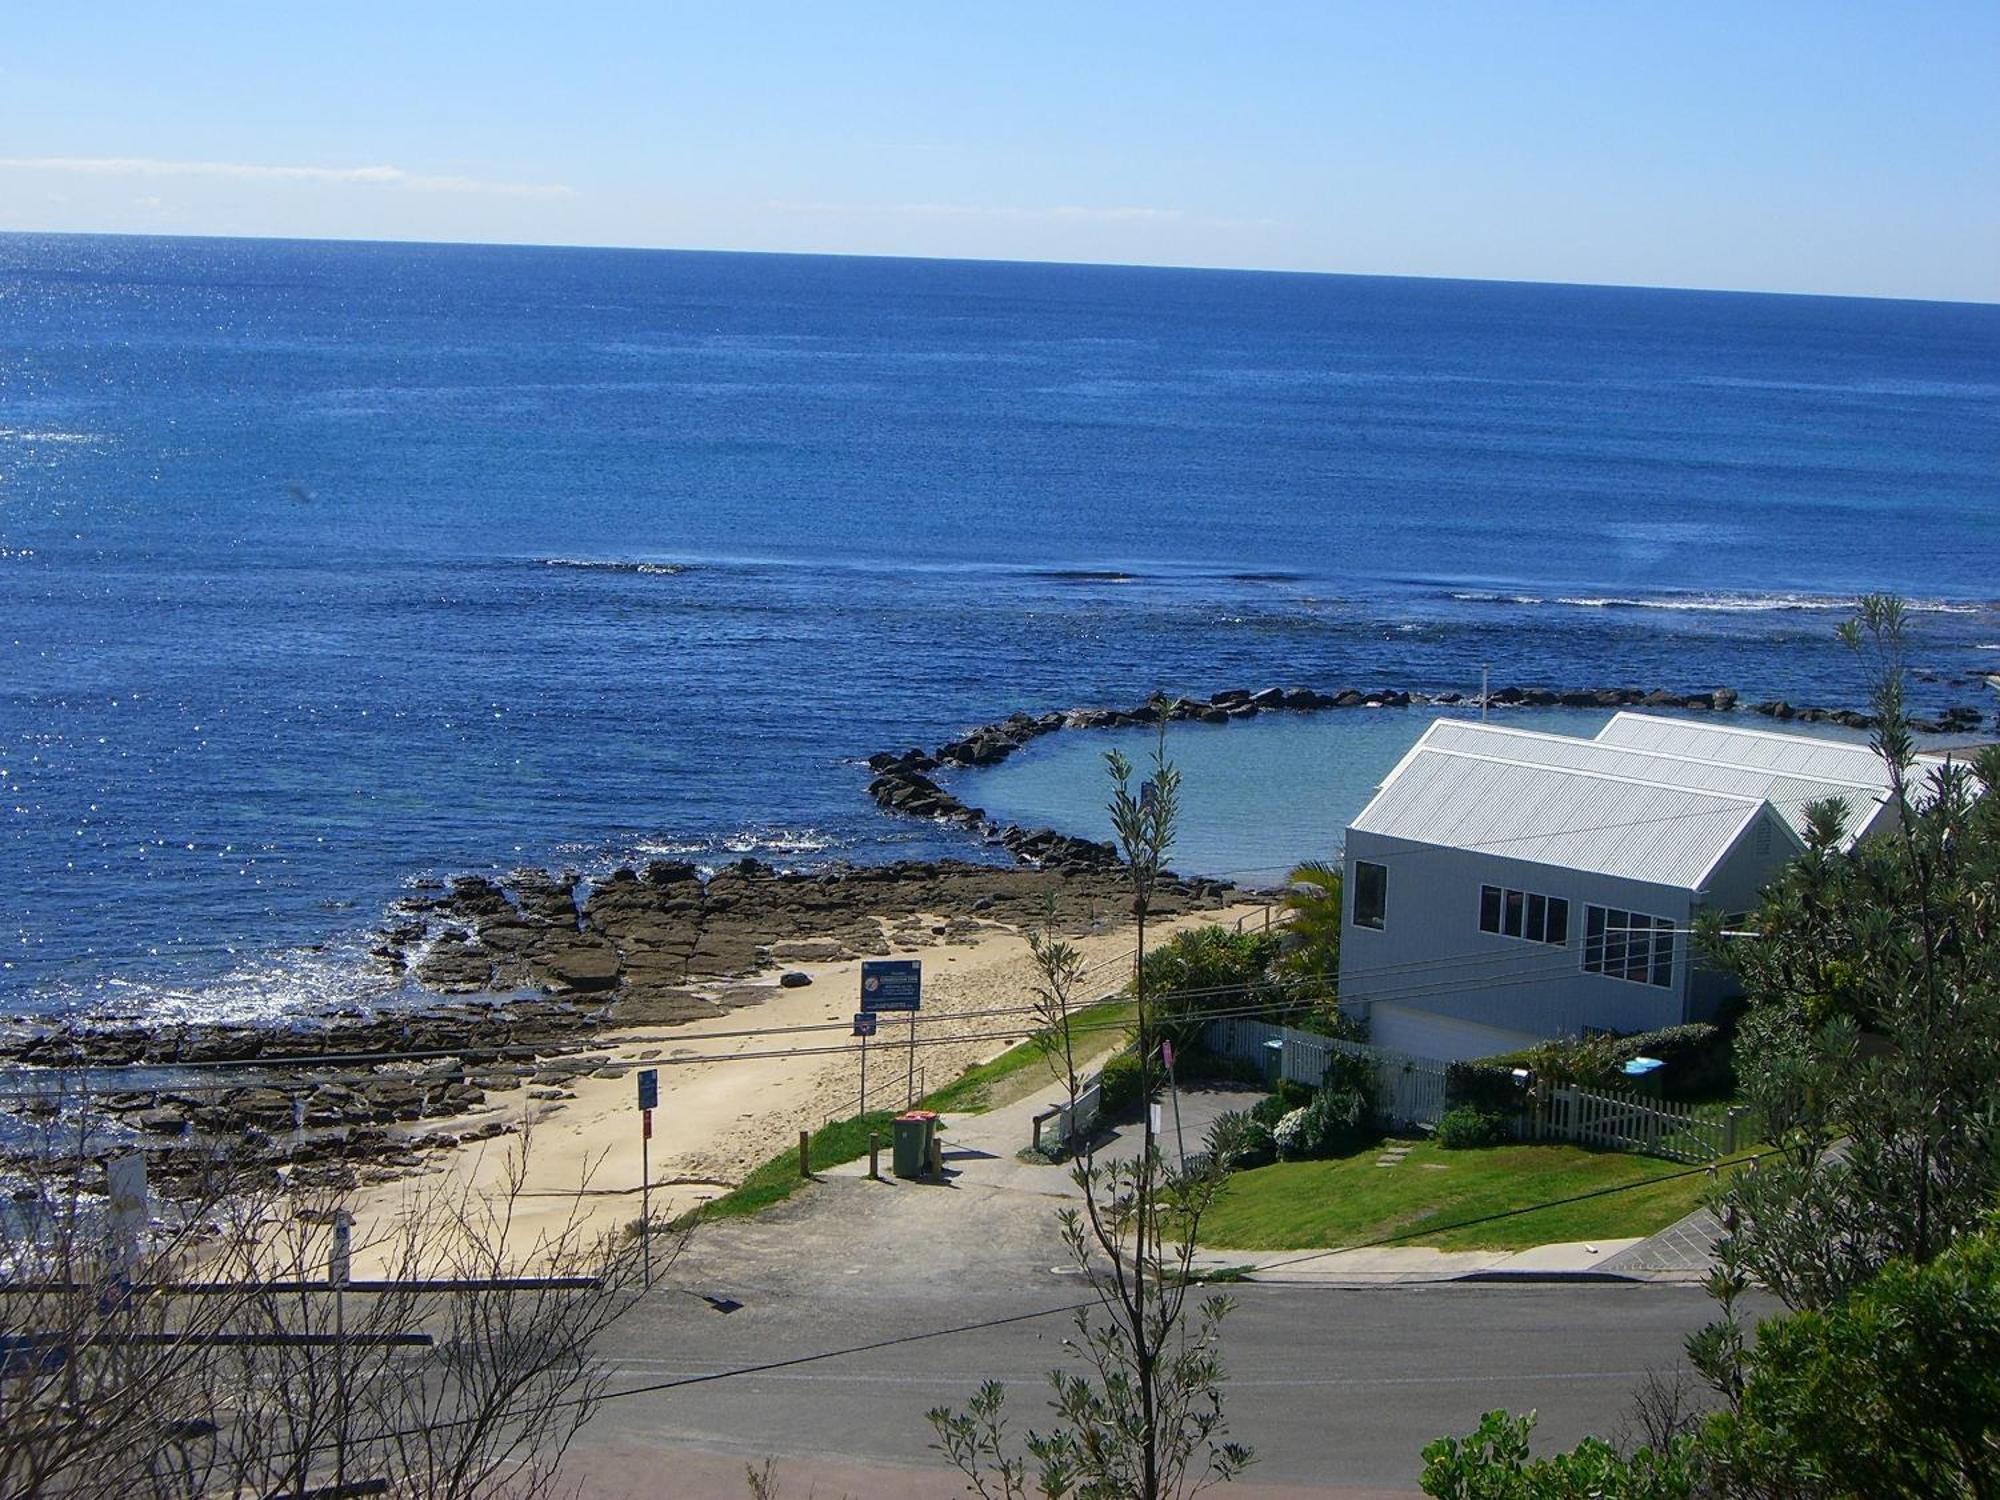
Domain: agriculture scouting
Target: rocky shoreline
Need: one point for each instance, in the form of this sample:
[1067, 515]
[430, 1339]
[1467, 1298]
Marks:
[642, 948]
[559, 964]
[903, 781]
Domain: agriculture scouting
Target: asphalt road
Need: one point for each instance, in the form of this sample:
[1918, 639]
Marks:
[1337, 1389]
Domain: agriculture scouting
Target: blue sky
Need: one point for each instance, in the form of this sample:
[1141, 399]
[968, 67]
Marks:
[1799, 147]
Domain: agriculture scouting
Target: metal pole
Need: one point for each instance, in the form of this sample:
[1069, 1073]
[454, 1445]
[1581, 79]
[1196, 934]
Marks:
[646, 1193]
[910, 1086]
[864, 1072]
[1180, 1141]
[340, 1379]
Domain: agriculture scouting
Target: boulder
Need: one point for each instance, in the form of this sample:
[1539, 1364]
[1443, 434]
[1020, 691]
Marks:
[793, 979]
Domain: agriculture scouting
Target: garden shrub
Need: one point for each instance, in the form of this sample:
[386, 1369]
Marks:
[1697, 1058]
[1348, 1072]
[1488, 1087]
[1289, 1135]
[1289, 1096]
[1466, 1128]
[1236, 1142]
[1336, 1122]
[1119, 1084]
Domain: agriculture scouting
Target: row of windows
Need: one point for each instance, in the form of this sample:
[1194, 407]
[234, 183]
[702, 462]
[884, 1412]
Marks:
[1524, 914]
[1628, 945]
[1618, 944]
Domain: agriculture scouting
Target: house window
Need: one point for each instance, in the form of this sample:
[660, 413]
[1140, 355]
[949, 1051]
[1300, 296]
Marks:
[1524, 914]
[1628, 945]
[1371, 893]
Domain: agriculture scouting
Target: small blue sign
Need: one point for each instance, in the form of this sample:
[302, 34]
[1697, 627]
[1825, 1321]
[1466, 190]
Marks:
[649, 1088]
[892, 984]
[864, 1023]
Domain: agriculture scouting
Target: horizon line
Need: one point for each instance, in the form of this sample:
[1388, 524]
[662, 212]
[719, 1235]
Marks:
[978, 260]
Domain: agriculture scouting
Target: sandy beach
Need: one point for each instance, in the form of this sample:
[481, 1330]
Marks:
[738, 1088]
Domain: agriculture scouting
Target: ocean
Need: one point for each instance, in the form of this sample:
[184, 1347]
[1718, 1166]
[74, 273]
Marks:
[326, 568]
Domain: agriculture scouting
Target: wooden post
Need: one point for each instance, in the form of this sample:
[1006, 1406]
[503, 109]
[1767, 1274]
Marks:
[805, 1154]
[874, 1157]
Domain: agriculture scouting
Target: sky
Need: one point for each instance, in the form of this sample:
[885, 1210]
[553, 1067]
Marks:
[1808, 147]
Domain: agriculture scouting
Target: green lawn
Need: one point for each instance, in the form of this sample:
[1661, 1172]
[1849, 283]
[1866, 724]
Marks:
[981, 1086]
[1025, 1067]
[1350, 1201]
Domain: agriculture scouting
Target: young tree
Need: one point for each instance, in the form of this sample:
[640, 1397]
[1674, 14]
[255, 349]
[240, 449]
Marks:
[1143, 1420]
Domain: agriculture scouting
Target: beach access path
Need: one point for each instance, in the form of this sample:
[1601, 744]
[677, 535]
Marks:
[735, 1090]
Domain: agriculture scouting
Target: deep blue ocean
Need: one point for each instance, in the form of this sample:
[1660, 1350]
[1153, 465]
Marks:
[327, 567]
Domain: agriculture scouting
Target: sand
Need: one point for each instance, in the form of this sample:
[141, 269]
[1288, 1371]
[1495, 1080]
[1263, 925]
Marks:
[730, 1101]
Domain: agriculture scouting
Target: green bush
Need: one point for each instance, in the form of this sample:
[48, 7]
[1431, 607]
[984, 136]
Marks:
[1290, 1096]
[1335, 1123]
[1697, 1058]
[1235, 1141]
[1119, 1085]
[1490, 1088]
[1466, 1128]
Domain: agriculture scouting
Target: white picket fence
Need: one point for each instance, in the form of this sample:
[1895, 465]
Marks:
[1628, 1122]
[1410, 1093]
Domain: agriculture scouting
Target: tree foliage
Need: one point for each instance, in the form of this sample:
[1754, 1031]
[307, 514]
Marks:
[1141, 1417]
[1870, 1041]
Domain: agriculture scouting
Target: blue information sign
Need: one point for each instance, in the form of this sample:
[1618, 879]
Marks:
[649, 1088]
[864, 1023]
[892, 984]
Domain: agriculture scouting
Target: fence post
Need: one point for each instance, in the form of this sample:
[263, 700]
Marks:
[1729, 1130]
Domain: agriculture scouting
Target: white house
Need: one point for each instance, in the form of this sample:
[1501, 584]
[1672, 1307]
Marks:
[1504, 886]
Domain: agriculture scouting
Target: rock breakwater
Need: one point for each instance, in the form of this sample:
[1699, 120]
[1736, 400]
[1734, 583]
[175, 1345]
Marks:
[904, 781]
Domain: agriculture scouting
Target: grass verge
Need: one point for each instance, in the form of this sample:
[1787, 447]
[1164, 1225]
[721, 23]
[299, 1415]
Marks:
[1350, 1200]
[977, 1088]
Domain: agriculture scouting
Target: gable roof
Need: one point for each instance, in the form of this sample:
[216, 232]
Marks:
[1790, 793]
[1561, 815]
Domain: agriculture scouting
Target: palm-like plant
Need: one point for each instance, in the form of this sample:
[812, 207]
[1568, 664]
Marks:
[1312, 935]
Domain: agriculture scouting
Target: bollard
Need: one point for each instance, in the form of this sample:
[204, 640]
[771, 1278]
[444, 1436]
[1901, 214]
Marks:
[805, 1154]
[874, 1157]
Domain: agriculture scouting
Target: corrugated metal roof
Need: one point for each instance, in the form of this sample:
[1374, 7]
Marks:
[1792, 754]
[1558, 815]
[1790, 795]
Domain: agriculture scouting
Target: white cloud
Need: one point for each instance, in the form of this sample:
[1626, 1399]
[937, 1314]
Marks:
[243, 171]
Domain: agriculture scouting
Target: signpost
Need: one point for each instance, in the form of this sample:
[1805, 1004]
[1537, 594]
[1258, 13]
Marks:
[339, 1270]
[125, 1224]
[649, 1100]
[896, 984]
[864, 1027]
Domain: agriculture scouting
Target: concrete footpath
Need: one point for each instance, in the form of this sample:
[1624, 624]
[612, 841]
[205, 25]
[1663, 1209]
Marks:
[982, 1151]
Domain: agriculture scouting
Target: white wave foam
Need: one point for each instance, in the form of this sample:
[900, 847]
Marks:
[293, 984]
[1717, 603]
[615, 565]
[779, 841]
[29, 435]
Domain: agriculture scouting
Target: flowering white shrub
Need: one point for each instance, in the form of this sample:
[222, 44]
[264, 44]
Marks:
[1290, 1133]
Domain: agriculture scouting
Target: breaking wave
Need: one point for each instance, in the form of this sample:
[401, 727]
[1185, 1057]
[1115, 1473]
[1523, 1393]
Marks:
[1718, 603]
[614, 565]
